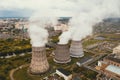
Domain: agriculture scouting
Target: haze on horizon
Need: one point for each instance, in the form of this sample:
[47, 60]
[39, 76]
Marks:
[25, 8]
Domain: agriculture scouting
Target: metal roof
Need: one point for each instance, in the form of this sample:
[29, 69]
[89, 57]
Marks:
[113, 69]
[85, 59]
[65, 72]
[111, 57]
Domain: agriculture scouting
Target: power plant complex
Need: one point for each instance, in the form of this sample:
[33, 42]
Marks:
[62, 53]
[39, 63]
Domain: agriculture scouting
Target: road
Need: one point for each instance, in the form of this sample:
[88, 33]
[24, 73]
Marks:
[92, 61]
[14, 70]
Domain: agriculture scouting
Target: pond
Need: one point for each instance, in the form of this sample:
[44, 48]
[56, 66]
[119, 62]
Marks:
[99, 38]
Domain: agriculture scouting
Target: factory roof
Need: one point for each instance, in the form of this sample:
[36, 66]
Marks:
[85, 59]
[113, 69]
[112, 58]
[63, 71]
[118, 47]
[76, 78]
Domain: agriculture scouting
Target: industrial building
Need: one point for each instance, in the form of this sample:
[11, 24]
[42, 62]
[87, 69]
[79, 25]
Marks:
[84, 61]
[76, 49]
[62, 54]
[110, 67]
[39, 63]
[64, 73]
[116, 51]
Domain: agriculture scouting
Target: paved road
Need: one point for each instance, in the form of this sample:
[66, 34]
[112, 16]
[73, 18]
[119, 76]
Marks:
[13, 70]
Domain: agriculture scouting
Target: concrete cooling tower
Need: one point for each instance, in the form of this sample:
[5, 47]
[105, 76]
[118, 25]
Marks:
[76, 49]
[39, 63]
[62, 54]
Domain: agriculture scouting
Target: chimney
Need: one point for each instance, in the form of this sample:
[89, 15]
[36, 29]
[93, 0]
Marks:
[62, 54]
[39, 63]
[76, 49]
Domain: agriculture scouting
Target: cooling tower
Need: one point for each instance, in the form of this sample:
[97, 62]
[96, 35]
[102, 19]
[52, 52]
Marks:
[62, 54]
[76, 49]
[39, 63]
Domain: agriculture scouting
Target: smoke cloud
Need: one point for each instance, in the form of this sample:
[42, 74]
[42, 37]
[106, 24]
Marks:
[88, 14]
[93, 13]
[38, 35]
[84, 13]
[66, 35]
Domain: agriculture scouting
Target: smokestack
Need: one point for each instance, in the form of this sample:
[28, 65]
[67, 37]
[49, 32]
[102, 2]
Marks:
[39, 37]
[39, 63]
[62, 54]
[76, 49]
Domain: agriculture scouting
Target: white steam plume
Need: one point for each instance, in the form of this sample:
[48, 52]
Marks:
[38, 33]
[96, 12]
[66, 36]
[88, 14]
[84, 13]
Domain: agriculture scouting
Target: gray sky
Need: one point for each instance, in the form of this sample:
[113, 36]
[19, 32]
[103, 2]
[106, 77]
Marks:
[54, 7]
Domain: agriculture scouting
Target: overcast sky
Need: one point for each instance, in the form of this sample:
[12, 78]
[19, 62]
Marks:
[53, 7]
[27, 7]
[15, 13]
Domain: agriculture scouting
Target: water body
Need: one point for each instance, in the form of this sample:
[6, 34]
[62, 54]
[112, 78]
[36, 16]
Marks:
[99, 38]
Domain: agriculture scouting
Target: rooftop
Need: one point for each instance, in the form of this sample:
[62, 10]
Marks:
[113, 69]
[77, 78]
[118, 47]
[65, 72]
[85, 59]
[112, 58]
